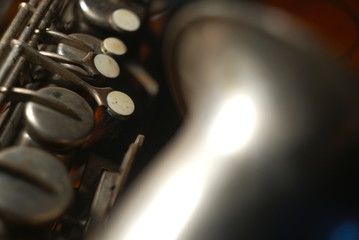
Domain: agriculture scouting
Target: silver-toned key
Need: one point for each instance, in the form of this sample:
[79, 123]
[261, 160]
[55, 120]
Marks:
[100, 95]
[57, 131]
[54, 37]
[121, 16]
[27, 95]
[111, 46]
[35, 188]
[94, 64]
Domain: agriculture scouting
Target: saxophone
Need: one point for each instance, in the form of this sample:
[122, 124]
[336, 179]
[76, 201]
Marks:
[75, 100]
[267, 141]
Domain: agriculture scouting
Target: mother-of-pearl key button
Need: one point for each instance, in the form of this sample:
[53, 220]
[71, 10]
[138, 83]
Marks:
[120, 103]
[107, 66]
[113, 46]
[126, 20]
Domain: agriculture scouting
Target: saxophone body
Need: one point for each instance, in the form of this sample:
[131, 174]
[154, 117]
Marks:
[261, 125]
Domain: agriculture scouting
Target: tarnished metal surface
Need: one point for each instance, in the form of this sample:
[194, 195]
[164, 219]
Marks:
[50, 111]
[34, 186]
[26, 95]
[99, 94]
[47, 126]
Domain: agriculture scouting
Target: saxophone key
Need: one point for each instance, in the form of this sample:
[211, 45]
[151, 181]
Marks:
[76, 53]
[123, 17]
[120, 104]
[57, 131]
[35, 188]
[111, 46]
[114, 47]
[96, 65]
[97, 93]
[125, 20]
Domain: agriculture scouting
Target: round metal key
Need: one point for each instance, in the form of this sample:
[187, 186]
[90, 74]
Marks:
[35, 188]
[55, 130]
[115, 15]
[104, 64]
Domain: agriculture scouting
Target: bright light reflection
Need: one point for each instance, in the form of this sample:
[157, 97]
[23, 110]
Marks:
[233, 126]
[171, 208]
[84, 6]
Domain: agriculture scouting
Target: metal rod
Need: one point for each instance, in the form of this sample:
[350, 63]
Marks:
[86, 63]
[35, 20]
[99, 94]
[10, 119]
[33, 2]
[16, 26]
[55, 37]
[10, 69]
[27, 95]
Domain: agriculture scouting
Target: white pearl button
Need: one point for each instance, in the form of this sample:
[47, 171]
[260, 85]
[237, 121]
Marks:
[126, 20]
[107, 66]
[114, 46]
[120, 103]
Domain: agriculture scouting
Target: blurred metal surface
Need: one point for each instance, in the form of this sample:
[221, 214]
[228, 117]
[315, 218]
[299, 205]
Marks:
[110, 186]
[268, 149]
[264, 112]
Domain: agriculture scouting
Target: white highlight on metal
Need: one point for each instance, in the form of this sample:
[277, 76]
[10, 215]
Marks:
[185, 186]
[234, 125]
[114, 46]
[107, 66]
[126, 20]
[120, 103]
